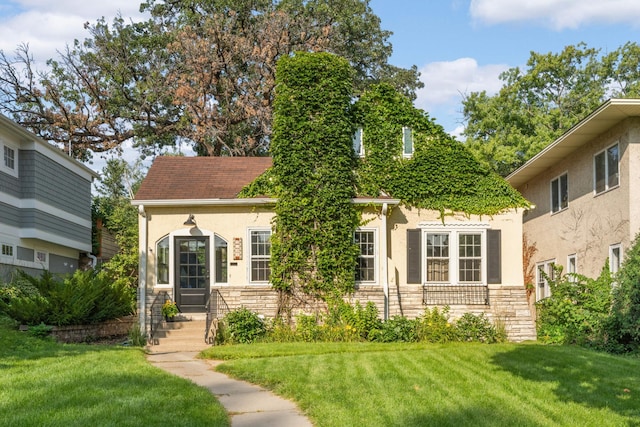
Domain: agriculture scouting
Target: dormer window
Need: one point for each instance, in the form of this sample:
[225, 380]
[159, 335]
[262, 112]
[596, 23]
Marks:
[407, 142]
[358, 146]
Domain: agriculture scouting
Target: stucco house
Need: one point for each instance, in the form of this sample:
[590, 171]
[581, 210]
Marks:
[585, 187]
[207, 248]
[45, 205]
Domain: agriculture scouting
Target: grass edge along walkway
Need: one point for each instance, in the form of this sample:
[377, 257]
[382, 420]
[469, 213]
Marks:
[342, 384]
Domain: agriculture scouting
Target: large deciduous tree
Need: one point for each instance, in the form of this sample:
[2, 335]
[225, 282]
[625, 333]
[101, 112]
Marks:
[200, 71]
[537, 105]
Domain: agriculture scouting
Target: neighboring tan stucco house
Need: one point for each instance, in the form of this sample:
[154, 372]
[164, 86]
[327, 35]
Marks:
[45, 205]
[585, 187]
[200, 243]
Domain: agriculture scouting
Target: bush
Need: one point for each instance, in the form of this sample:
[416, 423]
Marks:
[433, 326]
[577, 309]
[83, 298]
[242, 326]
[478, 328]
[397, 329]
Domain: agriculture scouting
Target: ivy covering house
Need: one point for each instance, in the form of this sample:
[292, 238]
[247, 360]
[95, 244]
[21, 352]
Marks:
[365, 198]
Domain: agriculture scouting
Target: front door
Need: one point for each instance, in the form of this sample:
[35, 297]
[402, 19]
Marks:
[192, 273]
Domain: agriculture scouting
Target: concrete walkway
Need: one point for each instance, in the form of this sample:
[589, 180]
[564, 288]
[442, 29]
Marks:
[247, 404]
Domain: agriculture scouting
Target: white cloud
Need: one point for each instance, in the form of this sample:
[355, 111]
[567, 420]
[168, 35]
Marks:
[49, 26]
[557, 14]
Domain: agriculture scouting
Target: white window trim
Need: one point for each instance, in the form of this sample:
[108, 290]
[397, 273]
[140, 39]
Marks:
[376, 256]
[404, 153]
[170, 260]
[454, 230]
[611, 249]
[547, 266]
[250, 254]
[214, 272]
[45, 263]
[607, 187]
[13, 172]
[13, 251]
[573, 257]
[358, 138]
[557, 178]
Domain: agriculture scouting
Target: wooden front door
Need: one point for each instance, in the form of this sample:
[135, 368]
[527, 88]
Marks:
[192, 273]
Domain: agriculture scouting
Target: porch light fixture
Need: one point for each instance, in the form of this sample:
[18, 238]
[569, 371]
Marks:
[191, 221]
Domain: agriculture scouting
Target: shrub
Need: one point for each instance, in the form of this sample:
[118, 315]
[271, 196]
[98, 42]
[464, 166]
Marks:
[434, 326]
[577, 309]
[242, 326]
[478, 328]
[621, 332]
[82, 298]
[354, 319]
[397, 329]
[307, 328]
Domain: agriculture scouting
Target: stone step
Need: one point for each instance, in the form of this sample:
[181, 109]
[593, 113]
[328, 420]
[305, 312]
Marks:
[180, 335]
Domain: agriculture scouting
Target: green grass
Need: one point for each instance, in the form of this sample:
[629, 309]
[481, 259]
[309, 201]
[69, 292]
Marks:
[43, 383]
[459, 384]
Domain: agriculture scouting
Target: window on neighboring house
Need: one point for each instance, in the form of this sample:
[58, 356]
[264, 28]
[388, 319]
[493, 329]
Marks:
[358, 146]
[260, 255]
[615, 258]
[7, 250]
[446, 266]
[572, 264]
[559, 194]
[407, 142]
[606, 166]
[9, 157]
[41, 257]
[221, 259]
[544, 272]
[162, 261]
[366, 267]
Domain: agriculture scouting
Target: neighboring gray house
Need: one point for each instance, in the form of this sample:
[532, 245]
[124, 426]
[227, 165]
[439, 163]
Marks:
[45, 205]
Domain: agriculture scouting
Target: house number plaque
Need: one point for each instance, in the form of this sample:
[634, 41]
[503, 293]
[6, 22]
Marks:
[237, 248]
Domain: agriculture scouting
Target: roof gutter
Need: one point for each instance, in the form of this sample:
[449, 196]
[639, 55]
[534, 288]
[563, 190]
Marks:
[245, 202]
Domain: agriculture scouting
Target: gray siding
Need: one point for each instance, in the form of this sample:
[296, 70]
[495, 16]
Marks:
[43, 179]
[9, 215]
[62, 265]
[25, 254]
[9, 185]
[31, 218]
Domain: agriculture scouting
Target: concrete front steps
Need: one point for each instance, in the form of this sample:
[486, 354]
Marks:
[184, 334]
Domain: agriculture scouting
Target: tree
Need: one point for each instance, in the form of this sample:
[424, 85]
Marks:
[197, 70]
[118, 183]
[536, 106]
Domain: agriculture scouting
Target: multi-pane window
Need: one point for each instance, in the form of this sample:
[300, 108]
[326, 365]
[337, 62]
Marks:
[407, 142]
[615, 258]
[162, 260]
[9, 157]
[7, 250]
[606, 169]
[41, 257]
[572, 264]
[260, 255]
[437, 257]
[469, 257]
[545, 272]
[559, 193]
[221, 259]
[366, 267]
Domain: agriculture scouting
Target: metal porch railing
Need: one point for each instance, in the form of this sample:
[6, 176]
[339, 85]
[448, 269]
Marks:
[455, 294]
[156, 316]
[216, 308]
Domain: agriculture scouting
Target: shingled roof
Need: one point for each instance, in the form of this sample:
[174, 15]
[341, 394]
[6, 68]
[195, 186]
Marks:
[190, 178]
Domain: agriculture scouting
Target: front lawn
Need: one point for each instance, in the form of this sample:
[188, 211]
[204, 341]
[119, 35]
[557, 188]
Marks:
[354, 384]
[43, 383]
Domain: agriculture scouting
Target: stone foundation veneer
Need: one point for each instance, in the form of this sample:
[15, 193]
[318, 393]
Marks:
[508, 304]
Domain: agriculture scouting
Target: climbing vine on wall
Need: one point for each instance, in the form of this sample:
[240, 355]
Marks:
[313, 253]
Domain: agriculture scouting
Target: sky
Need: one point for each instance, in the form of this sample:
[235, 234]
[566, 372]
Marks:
[459, 46]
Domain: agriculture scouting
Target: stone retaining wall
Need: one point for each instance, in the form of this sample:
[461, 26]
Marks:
[84, 333]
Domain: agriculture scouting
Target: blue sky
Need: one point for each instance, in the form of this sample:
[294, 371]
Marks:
[460, 46]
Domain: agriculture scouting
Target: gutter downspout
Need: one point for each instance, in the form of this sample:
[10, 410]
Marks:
[385, 260]
[142, 270]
